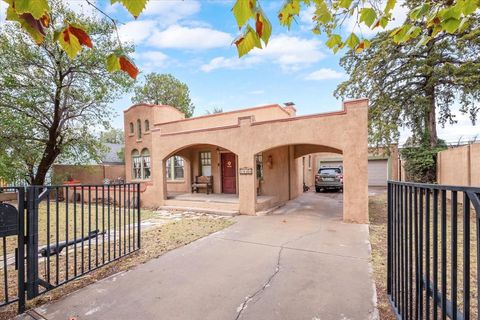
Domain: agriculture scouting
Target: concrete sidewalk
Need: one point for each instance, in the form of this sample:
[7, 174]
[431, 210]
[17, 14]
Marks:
[302, 262]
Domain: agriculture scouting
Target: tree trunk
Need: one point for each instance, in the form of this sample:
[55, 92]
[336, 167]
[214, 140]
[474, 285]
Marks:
[431, 121]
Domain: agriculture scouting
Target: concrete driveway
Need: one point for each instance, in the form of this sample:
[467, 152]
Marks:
[301, 262]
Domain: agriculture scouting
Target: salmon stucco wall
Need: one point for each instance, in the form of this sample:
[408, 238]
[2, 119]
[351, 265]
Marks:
[275, 174]
[459, 166]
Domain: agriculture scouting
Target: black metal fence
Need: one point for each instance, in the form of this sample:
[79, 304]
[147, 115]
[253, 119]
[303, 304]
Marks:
[60, 233]
[433, 252]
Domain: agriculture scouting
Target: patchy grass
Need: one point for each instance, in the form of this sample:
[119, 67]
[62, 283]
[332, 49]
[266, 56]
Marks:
[155, 242]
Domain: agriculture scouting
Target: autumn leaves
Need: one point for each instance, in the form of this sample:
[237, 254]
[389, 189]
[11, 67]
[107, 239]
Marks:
[34, 17]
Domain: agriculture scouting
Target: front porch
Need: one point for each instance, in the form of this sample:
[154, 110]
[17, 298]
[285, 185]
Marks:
[215, 203]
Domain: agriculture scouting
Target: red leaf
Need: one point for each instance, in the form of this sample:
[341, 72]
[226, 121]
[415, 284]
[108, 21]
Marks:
[32, 22]
[259, 26]
[66, 35]
[128, 67]
[82, 36]
[238, 41]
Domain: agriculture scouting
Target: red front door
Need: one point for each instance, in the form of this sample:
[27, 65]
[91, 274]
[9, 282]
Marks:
[229, 173]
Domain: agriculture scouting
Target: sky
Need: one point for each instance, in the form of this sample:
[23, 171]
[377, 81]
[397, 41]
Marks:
[192, 40]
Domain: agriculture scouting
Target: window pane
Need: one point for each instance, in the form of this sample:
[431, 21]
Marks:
[169, 169]
[206, 170]
[139, 129]
[178, 173]
[146, 167]
[137, 171]
[330, 171]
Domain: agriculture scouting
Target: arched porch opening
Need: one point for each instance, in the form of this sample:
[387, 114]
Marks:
[207, 178]
[285, 172]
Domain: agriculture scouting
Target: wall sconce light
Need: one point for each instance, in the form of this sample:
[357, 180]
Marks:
[270, 162]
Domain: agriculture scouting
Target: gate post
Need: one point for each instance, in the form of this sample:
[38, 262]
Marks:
[389, 238]
[21, 250]
[32, 242]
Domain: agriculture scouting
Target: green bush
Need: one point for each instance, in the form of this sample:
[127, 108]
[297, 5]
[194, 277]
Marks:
[420, 162]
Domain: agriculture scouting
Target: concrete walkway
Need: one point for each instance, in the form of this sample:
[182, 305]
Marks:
[302, 262]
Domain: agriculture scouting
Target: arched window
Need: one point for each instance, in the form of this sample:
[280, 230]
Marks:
[146, 166]
[139, 129]
[147, 126]
[136, 165]
[175, 168]
[131, 128]
[141, 165]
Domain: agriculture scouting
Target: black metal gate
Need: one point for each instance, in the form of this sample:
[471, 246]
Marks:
[433, 251]
[52, 235]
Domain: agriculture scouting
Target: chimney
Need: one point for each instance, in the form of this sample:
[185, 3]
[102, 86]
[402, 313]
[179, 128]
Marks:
[290, 108]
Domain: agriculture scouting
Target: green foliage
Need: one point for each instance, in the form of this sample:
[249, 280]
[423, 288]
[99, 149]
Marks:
[112, 135]
[441, 16]
[420, 162]
[49, 103]
[164, 89]
[415, 87]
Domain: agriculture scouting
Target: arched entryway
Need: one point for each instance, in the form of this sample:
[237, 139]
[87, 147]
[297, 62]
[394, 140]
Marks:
[283, 171]
[202, 175]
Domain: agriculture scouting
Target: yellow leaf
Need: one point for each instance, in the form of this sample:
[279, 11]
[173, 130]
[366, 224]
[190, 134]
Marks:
[243, 10]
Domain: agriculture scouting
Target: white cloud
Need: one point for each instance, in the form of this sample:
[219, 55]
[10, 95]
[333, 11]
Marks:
[152, 60]
[306, 18]
[137, 31]
[289, 52]
[229, 63]
[172, 11]
[165, 12]
[325, 74]
[180, 37]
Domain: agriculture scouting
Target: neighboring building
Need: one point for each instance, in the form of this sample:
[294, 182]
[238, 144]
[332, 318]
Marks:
[111, 168]
[112, 156]
[254, 155]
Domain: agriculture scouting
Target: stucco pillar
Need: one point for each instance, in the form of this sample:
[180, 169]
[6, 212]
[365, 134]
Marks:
[247, 185]
[156, 193]
[355, 163]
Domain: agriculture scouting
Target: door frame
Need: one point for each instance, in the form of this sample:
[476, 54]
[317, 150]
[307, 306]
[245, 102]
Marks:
[221, 170]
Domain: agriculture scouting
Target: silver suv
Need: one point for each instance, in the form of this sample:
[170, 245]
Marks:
[329, 178]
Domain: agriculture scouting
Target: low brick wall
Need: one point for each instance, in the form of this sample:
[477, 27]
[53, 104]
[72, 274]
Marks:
[87, 174]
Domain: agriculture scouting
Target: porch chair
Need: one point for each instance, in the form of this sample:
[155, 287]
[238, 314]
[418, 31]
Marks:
[203, 182]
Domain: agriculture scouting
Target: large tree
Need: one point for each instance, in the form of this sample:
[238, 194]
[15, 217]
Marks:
[416, 86]
[164, 89]
[50, 105]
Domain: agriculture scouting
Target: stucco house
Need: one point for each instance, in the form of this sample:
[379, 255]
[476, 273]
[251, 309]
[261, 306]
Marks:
[254, 156]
